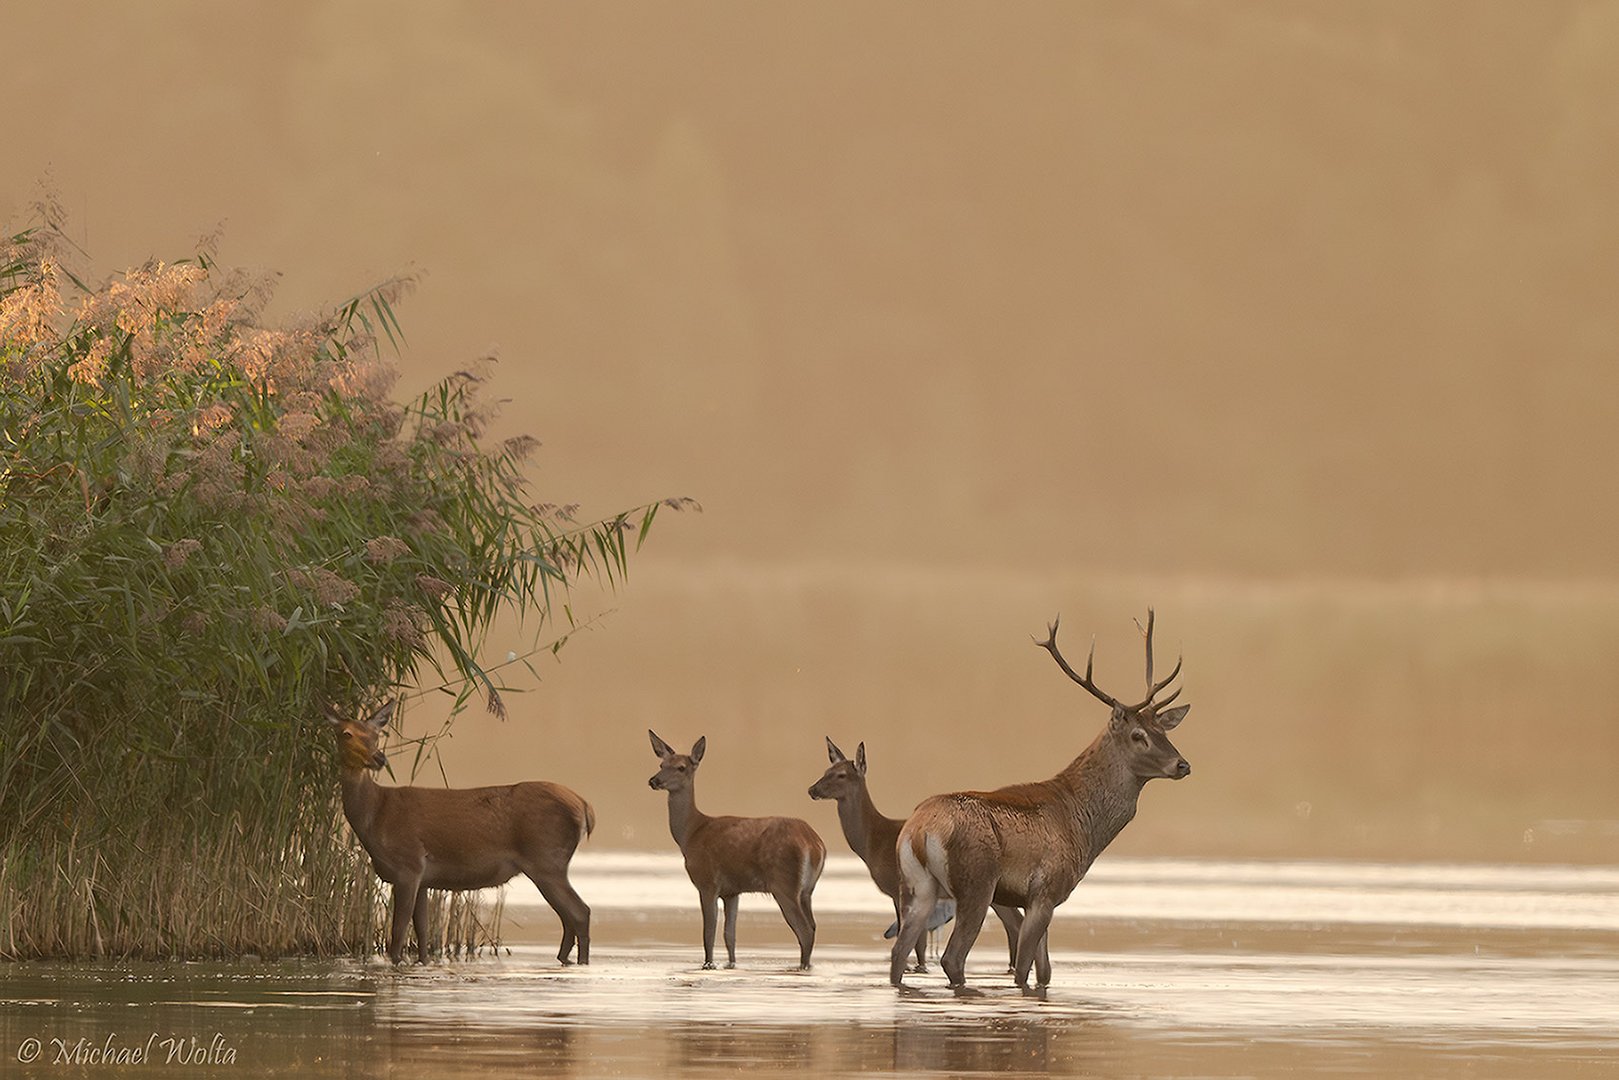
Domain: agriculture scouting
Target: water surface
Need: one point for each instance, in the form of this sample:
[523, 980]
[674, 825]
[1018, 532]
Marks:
[1162, 967]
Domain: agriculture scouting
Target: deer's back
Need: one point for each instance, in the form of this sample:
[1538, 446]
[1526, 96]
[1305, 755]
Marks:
[476, 837]
[754, 854]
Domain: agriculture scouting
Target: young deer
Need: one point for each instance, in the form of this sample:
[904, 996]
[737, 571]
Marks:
[727, 856]
[872, 836]
[461, 838]
[1030, 844]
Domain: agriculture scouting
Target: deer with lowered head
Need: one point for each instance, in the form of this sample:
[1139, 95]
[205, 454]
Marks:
[728, 856]
[872, 837]
[460, 838]
[1028, 845]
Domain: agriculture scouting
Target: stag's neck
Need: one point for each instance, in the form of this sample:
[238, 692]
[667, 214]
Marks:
[859, 817]
[1103, 791]
[684, 817]
[362, 798]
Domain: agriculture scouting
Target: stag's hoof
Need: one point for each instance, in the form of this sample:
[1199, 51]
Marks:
[918, 969]
[730, 965]
[708, 965]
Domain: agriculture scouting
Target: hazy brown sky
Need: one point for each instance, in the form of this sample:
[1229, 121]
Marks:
[1293, 319]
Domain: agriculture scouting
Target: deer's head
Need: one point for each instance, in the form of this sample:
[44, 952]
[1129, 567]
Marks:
[358, 741]
[1138, 732]
[843, 777]
[678, 769]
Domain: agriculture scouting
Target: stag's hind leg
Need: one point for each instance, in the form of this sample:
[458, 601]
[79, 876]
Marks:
[917, 899]
[971, 908]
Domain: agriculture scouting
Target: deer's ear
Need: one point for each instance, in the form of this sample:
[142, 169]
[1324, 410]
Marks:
[380, 718]
[698, 748]
[659, 747]
[1120, 719]
[1171, 719]
[860, 759]
[832, 752]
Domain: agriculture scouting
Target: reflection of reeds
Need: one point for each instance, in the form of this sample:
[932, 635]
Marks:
[209, 530]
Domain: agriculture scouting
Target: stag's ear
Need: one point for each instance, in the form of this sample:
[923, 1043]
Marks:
[697, 750]
[659, 747]
[1120, 719]
[1171, 719]
[333, 717]
[832, 751]
[860, 759]
[380, 718]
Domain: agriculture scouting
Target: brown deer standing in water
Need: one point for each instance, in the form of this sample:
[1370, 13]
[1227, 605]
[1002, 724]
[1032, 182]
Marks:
[1028, 845]
[460, 838]
[727, 856]
[872, 837]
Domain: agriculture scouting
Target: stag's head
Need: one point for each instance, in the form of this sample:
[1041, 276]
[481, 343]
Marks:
[843, 777]
[359, 741]
[1140, 731]
[678, 769]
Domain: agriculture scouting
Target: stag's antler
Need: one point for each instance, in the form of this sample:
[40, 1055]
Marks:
[1086, 680]
[1050, 645]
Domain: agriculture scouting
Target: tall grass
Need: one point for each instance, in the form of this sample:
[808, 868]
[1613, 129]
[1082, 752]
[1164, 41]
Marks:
[210, 528]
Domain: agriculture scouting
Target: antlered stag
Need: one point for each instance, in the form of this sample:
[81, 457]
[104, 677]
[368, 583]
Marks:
[460, 838]
[1028, 845]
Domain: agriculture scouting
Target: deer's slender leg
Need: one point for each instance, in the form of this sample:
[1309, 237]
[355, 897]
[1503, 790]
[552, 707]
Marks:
[707, 901]
[571, 909]
[801, 921]
[404, 904]
[731, 905]
[419, 919]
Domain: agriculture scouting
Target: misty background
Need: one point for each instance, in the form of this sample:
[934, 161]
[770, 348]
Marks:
[1294, 321]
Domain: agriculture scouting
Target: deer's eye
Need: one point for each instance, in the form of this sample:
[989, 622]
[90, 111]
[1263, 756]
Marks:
[1140, 737]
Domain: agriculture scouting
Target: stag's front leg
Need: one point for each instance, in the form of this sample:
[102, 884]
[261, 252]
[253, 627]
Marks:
[708, 902]
[1012, 919]
[971, 907]
[1031, 944]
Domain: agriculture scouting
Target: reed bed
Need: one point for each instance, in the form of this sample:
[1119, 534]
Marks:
[210, 529]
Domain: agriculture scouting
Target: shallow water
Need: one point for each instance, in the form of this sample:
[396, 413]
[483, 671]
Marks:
[1162, 967]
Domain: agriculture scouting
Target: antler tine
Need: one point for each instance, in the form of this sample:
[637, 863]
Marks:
[1149, 651]
[1154, 687]
[1050, 645]
[1160, 704]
